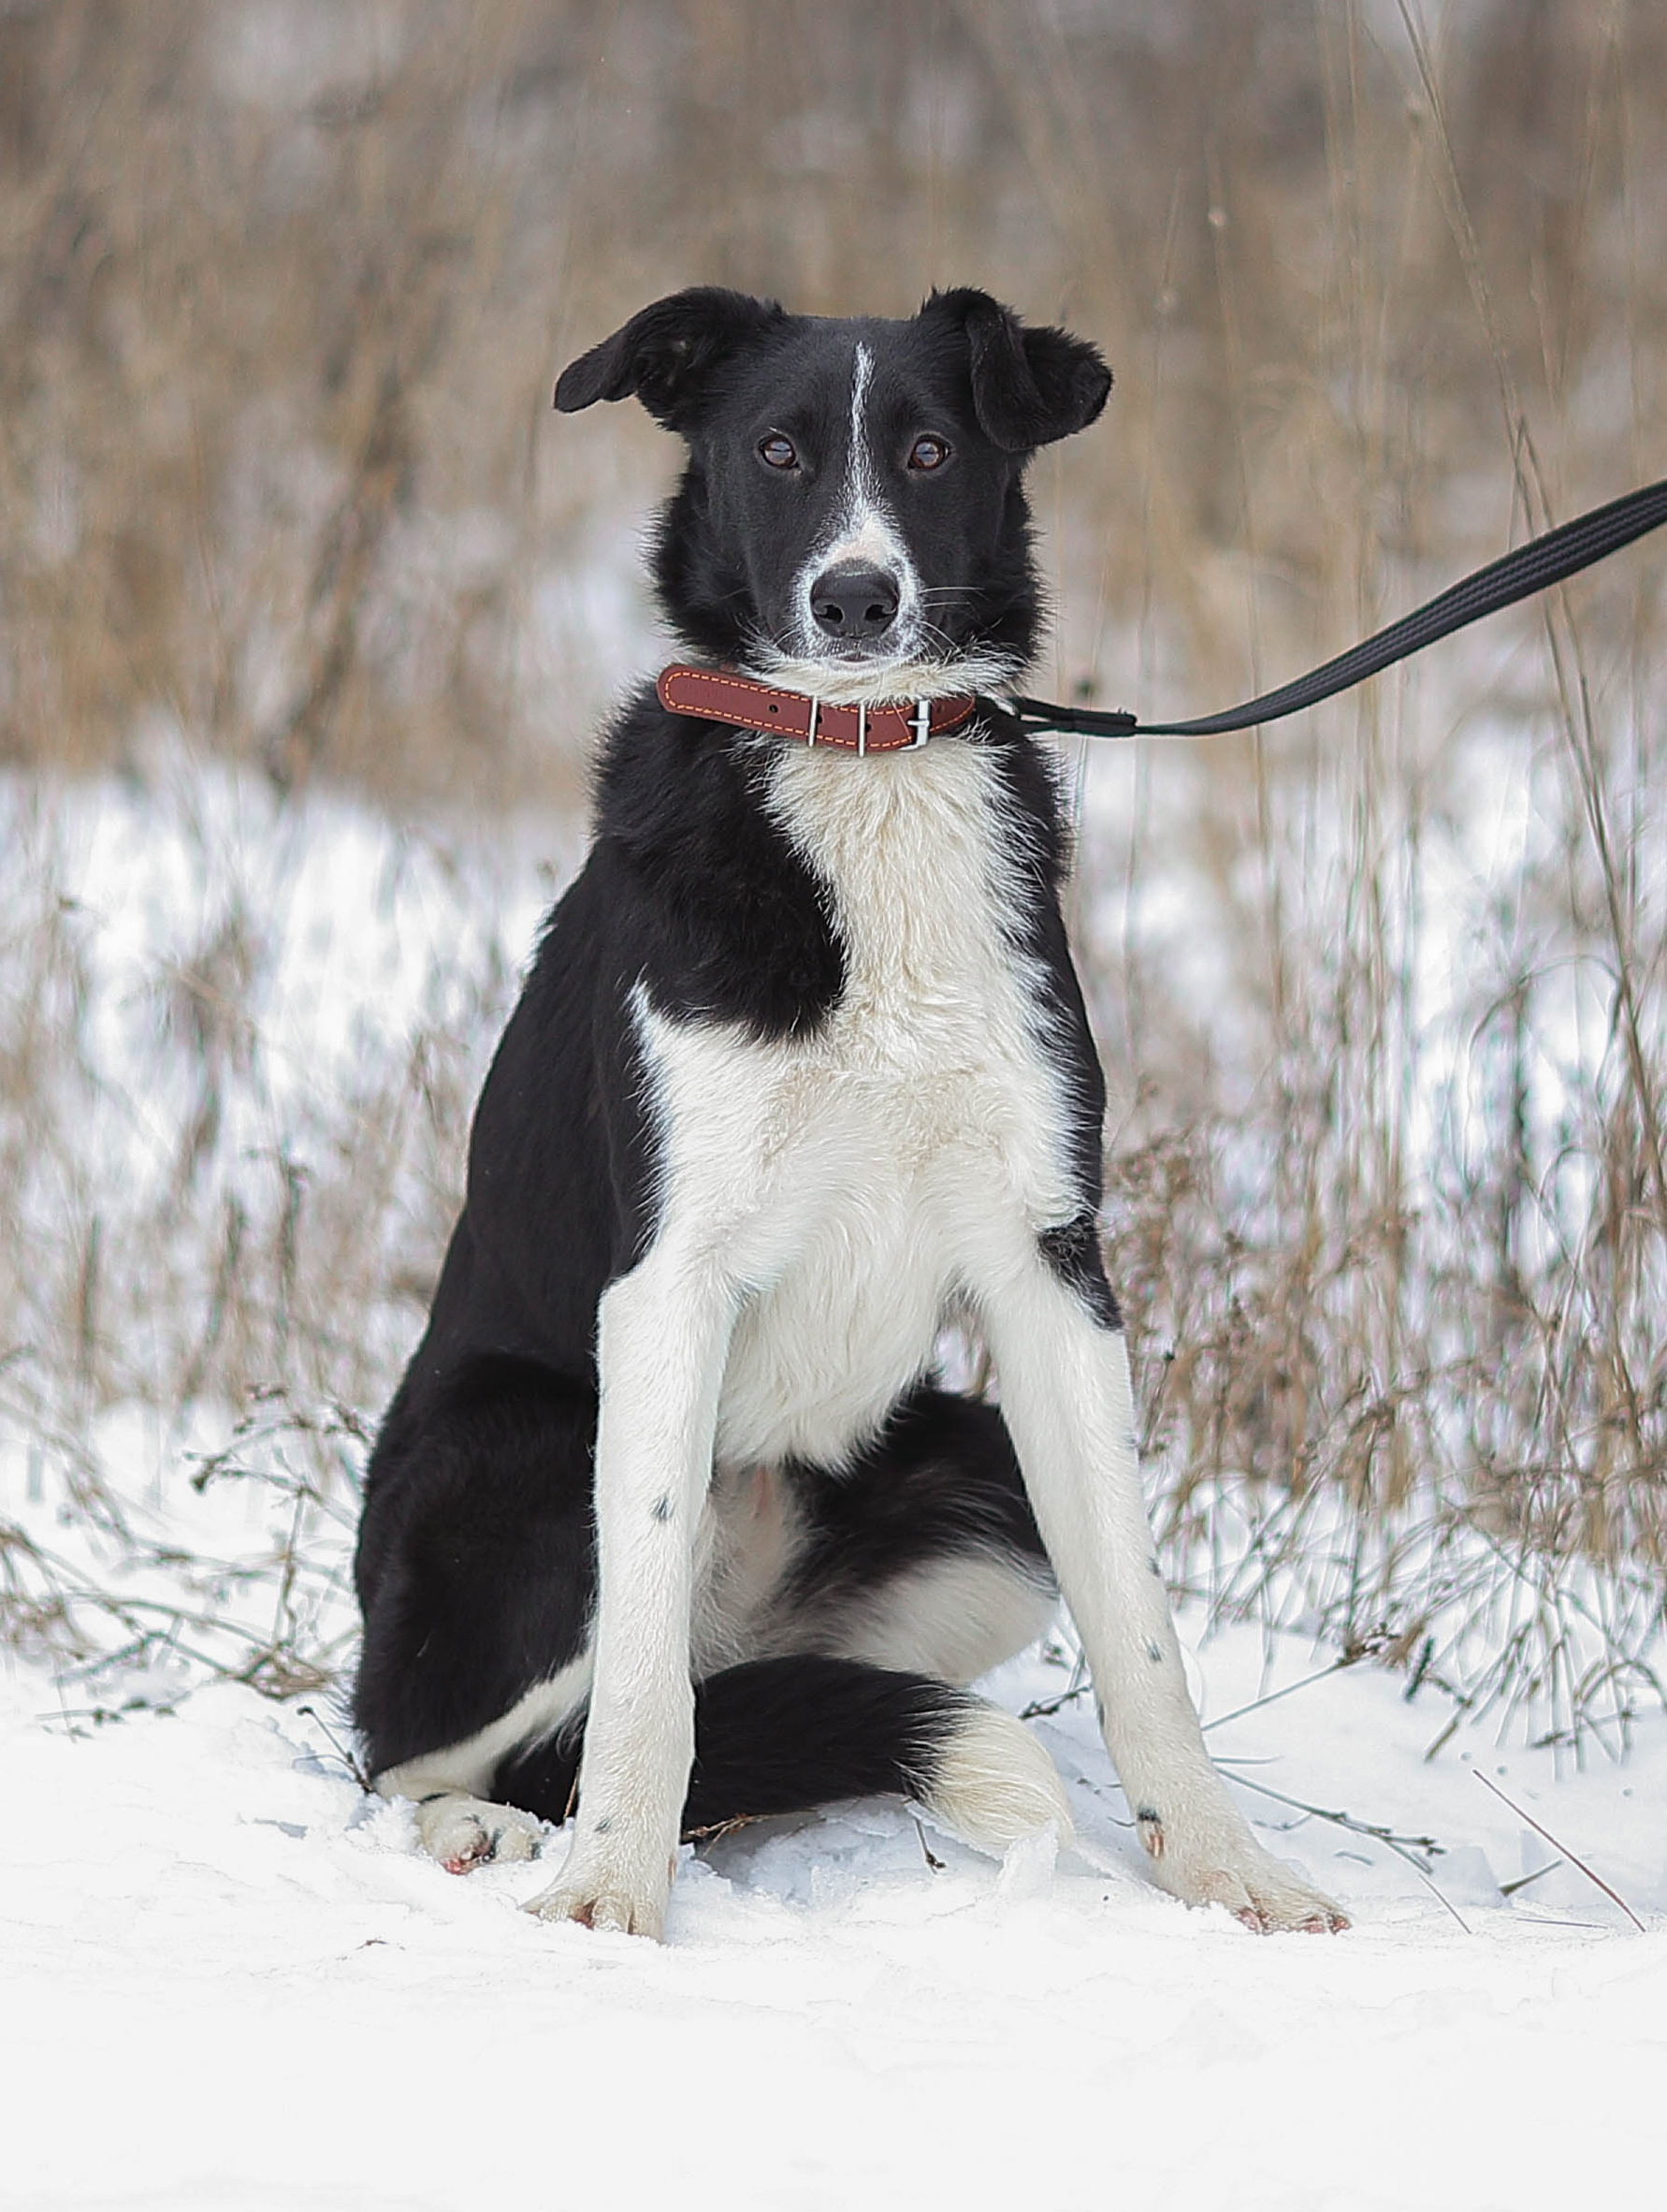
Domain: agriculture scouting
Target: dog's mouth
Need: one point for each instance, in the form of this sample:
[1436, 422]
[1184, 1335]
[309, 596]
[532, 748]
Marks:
[856, 634]
[883, 671]
[859, 652]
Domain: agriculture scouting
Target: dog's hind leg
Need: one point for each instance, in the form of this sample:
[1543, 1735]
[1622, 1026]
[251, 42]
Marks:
[476, 1576]
[924, 1553]
[464, 1831]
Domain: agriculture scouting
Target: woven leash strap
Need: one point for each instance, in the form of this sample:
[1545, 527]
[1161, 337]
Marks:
[1534, 567]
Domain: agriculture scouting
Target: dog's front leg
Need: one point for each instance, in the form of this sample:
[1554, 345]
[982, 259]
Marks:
[662, 1338]
[1065, 1392]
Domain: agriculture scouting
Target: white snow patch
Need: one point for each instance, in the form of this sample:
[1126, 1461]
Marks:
[234, 1983]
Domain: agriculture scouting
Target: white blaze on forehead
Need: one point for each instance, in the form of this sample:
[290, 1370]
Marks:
[864, 534]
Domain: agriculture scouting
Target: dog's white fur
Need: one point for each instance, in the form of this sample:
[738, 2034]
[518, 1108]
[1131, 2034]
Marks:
[824, 1201]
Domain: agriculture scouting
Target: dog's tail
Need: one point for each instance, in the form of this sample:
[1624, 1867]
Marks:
[786, 1735]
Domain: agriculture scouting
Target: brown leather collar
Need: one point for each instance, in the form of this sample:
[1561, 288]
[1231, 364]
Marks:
[719, 696]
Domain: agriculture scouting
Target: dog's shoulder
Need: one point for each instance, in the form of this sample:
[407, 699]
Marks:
[743, 876]
[720, 915]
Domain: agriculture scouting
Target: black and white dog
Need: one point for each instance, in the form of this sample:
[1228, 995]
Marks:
[670, 1521]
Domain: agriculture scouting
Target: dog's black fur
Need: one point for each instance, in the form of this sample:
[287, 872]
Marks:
[476, 1565]
[701, 936]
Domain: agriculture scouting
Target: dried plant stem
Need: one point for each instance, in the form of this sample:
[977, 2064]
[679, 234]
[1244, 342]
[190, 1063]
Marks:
[1573, 1858]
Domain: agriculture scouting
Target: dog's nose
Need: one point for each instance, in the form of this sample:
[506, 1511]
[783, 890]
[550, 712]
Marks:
[860, 603]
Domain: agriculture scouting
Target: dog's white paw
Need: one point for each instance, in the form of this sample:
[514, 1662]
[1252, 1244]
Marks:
[608, 1910]
[463, 1833]
[1233, 1870]
[603, 1905]
[608, 1891]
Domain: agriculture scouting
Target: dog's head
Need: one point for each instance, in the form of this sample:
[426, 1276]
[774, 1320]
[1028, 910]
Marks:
[852, 519]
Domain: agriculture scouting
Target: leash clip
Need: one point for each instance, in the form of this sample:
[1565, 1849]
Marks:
[922, 722]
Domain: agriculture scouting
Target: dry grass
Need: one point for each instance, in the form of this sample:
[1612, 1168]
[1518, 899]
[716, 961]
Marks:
[241, 1041]
[1389, 1206]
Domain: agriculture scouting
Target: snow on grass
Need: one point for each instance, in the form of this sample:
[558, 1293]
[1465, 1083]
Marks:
[233, 1982]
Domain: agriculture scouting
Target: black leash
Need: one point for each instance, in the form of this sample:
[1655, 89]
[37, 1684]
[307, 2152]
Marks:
[1533, 567]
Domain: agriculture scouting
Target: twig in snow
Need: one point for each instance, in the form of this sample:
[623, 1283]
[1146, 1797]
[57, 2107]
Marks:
[1428, 1844]
[1080, 1686]
[1358, 1648]
[342, 1751]
[1445, 1734]
[1406, 1847]
[1574, 1858]
[1522, 1881]
[1039, 1708]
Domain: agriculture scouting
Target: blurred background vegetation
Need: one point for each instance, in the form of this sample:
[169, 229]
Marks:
[283, 290]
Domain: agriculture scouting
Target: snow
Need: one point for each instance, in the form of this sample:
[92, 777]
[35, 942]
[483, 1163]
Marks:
[233, 1982]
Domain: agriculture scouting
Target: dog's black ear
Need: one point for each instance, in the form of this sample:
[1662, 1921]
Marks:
[1029, 386]
[666, 354]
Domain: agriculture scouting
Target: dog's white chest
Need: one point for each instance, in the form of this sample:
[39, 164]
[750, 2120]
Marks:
[855, 1182]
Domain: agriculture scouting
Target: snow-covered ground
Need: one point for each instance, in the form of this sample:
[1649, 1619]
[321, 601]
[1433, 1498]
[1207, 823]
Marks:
[231, 1983]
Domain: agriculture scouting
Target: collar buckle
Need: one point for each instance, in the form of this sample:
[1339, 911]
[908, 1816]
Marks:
[815, 707]
[861, 728]
[921, 718]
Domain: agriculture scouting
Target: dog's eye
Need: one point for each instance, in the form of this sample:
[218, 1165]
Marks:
[778, 452]
[928, 453]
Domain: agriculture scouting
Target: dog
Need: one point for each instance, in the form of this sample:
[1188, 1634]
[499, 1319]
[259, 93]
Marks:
[672, 1521]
